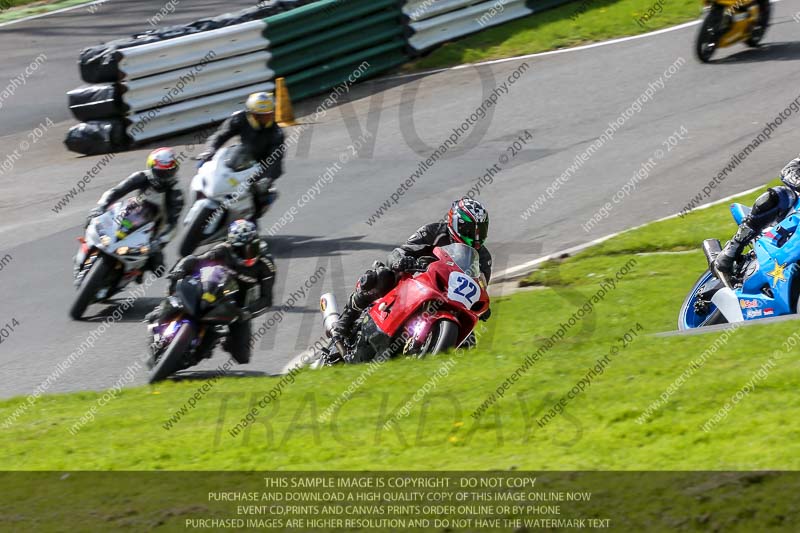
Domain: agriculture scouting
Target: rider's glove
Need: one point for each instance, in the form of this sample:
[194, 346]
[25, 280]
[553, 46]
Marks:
[204, 157]
[404, 264]
[173, 278]
[176, 274]
[94, 213]
[485, 316]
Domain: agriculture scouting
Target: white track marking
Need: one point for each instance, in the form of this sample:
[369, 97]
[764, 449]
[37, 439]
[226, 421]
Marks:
[525, 268]
[40, 15]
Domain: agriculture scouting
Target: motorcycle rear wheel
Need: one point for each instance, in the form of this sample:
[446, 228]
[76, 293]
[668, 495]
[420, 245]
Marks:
[92, 282]
[756, 36]
[170, 360]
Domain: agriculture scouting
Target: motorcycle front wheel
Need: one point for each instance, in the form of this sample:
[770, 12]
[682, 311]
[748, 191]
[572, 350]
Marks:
[443, 336]
[707, 37]
[688, 318]
[93, 281]
[170, 360]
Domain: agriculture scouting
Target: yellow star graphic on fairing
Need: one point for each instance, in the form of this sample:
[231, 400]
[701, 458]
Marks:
[777, 274]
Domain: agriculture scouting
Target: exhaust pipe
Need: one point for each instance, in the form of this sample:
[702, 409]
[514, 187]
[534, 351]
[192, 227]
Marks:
[330, 312]
[711, 248]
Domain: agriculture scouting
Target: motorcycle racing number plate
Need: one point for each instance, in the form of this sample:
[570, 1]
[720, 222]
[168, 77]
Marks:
[463, 289]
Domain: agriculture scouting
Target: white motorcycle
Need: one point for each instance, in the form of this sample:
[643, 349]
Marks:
[220, 193]
[114, 252]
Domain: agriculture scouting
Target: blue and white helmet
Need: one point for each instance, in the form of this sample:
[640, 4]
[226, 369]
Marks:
[244, 241]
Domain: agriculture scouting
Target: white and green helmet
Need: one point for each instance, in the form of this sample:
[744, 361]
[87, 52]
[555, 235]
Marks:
[468, 222]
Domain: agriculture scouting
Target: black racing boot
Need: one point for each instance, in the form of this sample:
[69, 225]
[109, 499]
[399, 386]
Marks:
[155, 264]
[258, 209]
[159, 312]
[153, 315]
[343, 328]
[723, 263]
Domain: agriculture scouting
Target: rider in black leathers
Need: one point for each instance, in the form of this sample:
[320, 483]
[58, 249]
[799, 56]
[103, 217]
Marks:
[160, 178]
[467, 223]
[247, 255]
[769, 208]
[263, 139]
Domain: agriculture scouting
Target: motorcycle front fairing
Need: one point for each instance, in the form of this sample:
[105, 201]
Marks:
[208, 296]
[220, 189]
[768, 288]
[405, 300]
[743, 17]
[443, 292]
[216, 179]
[128, 245]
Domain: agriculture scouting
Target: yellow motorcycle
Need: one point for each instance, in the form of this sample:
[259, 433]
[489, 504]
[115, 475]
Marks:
[731, 21]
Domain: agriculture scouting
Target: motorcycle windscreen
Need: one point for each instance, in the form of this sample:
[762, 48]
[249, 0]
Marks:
[135, 214]
[465, 257]
[239, 158]
[217, 283]
[189, 293]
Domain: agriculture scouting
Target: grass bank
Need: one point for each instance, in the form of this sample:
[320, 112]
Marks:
[565, 26]
[17, 9]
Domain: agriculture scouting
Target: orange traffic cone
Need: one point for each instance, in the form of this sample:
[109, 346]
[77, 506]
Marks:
[284, 114]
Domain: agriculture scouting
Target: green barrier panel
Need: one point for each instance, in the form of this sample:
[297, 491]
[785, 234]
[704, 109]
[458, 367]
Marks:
[318, 16]
[317, 48]
[319, 79]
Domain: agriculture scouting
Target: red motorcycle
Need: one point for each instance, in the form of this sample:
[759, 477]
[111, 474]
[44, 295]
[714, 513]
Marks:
[430, 310]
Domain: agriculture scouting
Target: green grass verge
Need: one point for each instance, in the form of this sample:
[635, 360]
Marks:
[598, 429]
[17, 9]
[554, 28]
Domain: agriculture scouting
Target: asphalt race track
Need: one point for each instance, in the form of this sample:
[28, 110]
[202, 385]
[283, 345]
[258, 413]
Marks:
[565, 101]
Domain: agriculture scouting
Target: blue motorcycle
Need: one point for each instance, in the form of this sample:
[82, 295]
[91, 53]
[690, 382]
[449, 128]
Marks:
[764, 282]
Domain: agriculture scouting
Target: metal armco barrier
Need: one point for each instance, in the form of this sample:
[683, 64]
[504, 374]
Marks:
[417, 10]
[327, 43]
[146, 60]
[315, 48]
[197, 79]
[189, 114]
[451, 25]
[182, 83]
[347, 70]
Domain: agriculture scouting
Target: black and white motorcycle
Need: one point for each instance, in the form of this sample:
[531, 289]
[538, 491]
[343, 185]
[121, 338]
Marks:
[220, 193]
[113, 252]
